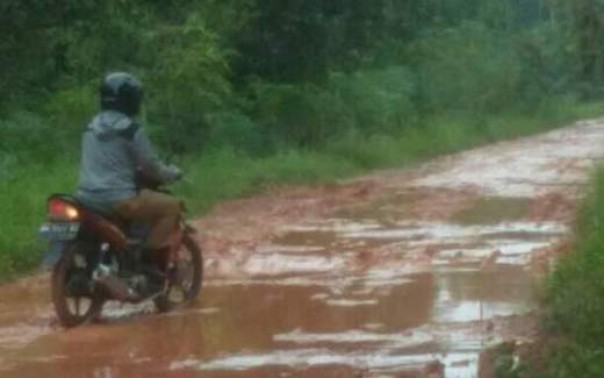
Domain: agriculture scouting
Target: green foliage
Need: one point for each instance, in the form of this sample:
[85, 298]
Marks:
[576, 287]
[295, 115]
[69, 111]
[575, 306]
[470, 68]
[235, 131]
[23, 199]
[373, 102]
[298, 40]
[284, 74]
[25, 138]
[581, 22]
[188, 83]
[574, 361]
[379, 101]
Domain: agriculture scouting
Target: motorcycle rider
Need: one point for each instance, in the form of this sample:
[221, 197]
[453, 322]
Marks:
[115, 151]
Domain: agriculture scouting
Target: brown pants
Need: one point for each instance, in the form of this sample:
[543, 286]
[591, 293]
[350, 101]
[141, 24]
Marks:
[161, 211]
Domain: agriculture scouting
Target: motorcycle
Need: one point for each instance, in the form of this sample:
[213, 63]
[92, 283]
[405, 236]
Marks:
[96, 258]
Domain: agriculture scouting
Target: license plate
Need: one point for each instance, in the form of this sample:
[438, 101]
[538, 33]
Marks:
[59, 231]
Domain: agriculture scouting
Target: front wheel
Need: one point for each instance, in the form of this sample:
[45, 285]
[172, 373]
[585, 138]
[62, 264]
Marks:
[73, 296]
[184, 277]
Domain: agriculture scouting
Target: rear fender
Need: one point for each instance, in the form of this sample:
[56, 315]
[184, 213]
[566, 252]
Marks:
[107, 231]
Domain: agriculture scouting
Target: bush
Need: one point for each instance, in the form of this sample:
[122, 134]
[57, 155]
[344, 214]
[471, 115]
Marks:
[187, 84]
[374, 102]
[576, 288]
[575, 307]
[70, 110]
[23, 204]
[380, 101]
[471, 69]
[26, 138]
[235, 131]
[299, 115]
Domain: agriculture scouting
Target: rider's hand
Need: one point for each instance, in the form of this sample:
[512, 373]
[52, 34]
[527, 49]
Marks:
[175, 172]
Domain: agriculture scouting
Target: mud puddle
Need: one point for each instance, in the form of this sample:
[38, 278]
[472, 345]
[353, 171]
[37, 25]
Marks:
[388, 295]
[330, 298]
[400, 274]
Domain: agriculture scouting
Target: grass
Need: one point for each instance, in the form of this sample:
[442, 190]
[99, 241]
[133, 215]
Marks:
[224, 174]
[22, 202]
[575, 307]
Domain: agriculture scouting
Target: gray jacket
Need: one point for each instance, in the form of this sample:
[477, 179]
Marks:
[114, 148]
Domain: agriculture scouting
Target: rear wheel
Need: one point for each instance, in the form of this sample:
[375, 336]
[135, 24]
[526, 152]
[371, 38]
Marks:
[73, 296]
[184, 277]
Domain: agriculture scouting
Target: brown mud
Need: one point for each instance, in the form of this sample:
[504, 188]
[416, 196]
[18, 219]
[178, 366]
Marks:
[409, 273]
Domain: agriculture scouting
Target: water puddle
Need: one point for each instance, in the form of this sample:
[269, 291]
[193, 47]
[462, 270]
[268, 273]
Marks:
[387, 295]
[371, 297]
[494, 210]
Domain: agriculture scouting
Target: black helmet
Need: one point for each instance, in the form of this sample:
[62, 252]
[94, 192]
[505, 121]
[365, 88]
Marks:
[122, 92]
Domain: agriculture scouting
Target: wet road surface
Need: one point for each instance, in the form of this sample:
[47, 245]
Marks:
[414, 277]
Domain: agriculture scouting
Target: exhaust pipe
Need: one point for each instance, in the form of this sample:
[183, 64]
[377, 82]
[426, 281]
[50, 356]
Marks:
[116, 287]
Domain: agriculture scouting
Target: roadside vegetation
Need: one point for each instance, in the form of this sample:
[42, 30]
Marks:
[575, 310]
[254, 93]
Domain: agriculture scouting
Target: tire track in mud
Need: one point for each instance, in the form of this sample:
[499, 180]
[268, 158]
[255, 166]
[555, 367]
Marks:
[401, 273]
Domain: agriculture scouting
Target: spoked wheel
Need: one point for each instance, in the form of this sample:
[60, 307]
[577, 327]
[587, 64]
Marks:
[72, 292]
[184, 277]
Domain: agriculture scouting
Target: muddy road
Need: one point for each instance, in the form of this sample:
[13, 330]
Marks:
[408, 273]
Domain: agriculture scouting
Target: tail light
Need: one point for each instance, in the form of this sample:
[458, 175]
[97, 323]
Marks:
[62, 211]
